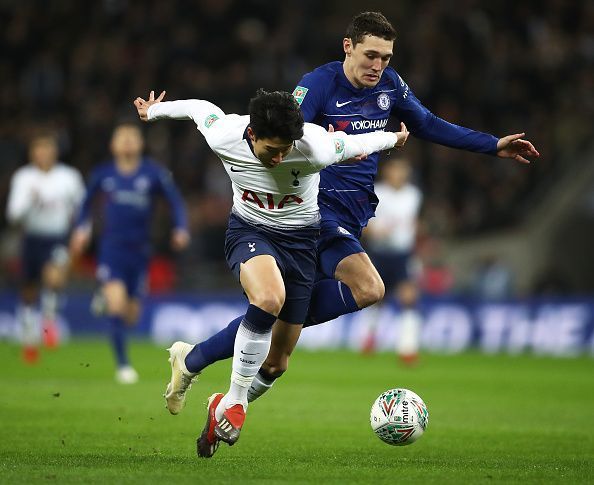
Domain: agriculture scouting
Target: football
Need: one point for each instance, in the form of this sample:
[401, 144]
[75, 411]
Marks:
[399, 417]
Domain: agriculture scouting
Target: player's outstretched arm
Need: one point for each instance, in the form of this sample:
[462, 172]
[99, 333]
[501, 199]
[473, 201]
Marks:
[401, 136]
[142, 106]
[513, 146]
[324, 148]
[357, 147]
[202, 112]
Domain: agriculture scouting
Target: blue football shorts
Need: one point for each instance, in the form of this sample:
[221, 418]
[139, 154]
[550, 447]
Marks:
[37, 251]
[125, 265]
[295, 254]
[337, 241]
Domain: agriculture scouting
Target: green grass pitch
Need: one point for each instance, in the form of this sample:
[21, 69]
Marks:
[505, 419]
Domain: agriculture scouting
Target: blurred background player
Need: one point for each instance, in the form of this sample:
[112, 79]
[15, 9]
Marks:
[43, 198]
[391, 235]
[127, 187]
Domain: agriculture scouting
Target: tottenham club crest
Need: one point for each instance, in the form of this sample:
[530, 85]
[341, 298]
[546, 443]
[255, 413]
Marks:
[383, 101]
[295, 173]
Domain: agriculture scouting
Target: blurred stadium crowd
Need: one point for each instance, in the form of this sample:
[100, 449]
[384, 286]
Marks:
[501, 67]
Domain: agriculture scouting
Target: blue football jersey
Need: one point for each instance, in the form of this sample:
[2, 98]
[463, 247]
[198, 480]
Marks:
[327, 98]
[127, 202]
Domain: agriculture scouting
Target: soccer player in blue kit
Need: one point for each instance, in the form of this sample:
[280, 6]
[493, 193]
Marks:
[128, 187]
[359, 95]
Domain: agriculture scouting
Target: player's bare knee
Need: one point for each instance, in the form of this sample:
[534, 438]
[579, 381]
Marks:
[368, 291]
[407, 294]
[271, 302]
[54, 276]
[117, 307]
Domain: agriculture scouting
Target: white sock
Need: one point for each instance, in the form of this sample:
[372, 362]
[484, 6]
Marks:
[49, 304]
[410, 332]
[250, 351]
[30, 325]
[259, 386]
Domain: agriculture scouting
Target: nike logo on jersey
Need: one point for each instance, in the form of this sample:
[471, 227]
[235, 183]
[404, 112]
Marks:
[340, 105]
[233, 169]
[247, 353]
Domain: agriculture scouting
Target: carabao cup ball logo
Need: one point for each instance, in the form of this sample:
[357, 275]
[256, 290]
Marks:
[383, 101]
[399, 417]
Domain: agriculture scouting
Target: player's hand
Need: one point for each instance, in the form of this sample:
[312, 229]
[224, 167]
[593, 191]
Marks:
[142, 106]
[180, 238]
[512, 146]
[401, 136]
[78, 242]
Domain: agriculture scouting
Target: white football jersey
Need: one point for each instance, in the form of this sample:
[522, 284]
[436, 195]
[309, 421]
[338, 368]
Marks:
[45, 202]
[397, 214]
[285, 196]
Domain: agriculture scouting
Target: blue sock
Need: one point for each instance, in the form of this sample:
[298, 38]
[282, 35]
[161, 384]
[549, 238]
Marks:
[218, 347]
[118, 340]
[330, 298]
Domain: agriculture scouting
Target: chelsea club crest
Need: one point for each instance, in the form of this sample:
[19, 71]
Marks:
[383, 101]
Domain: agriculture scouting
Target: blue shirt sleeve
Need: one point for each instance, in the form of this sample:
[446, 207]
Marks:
[166, 187]
[93, 187]
[309, 93]
[422, 123]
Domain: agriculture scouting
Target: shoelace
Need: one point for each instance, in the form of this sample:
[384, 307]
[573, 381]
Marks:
[186, 383]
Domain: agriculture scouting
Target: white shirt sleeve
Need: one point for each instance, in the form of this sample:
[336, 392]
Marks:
[19, 198]
[203, 113]
[326, 148]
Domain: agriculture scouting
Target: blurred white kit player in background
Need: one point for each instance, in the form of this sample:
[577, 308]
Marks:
[44, 196]
[392, 236]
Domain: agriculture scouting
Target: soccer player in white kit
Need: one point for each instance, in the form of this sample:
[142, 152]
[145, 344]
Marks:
[392, 237]
[273, 160]
[43, 198]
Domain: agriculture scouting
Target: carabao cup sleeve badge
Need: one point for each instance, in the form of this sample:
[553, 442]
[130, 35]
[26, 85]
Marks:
[210, 119]
[299, 93]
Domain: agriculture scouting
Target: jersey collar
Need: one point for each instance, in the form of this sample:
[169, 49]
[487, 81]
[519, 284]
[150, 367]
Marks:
[246, 137]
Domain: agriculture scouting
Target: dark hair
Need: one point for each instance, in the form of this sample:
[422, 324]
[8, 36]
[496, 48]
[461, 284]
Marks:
[275, 114]
[370, 23]
[43, 134]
